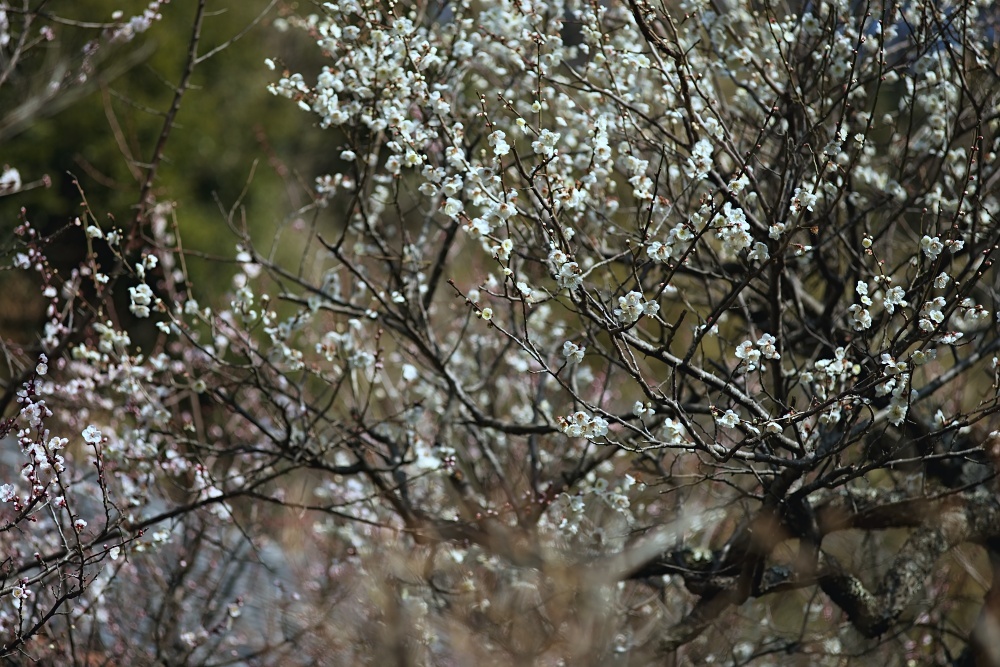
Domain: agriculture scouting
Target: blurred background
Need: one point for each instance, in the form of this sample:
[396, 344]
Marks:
[232, 137]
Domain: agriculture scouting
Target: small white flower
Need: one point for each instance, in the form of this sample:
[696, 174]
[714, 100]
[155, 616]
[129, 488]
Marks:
[452, 207]
[748, 356]
[730, 419]
[502, 251]
[861, 319]
[759, 253]
[897, 413]
[640, 409]
[92, 435]
[932, 247]
[573, 352]
[10, 181]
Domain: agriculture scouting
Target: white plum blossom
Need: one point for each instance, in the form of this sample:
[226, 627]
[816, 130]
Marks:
[860, 318]
[897, 411]
[92, 435]
[573, 352]
[10, 181]
[931, 246]
[759, 253]
[7, 493]
[729, 419]
[748, 355]
[568, 274]
[452, 207]
[503, 250]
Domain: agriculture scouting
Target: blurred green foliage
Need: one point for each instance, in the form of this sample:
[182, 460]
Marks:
[106, 129]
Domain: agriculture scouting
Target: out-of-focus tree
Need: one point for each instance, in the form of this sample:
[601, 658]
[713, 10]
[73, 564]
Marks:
[621, 333]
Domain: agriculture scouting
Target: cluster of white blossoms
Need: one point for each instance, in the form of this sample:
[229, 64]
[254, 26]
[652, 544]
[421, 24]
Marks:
[830, 375]
[749, 355]
[732, 228]
[520, 178]
[567, 273]
[632, 306]
[678, 242]
[803, 199]
[700, 162]
[141, 295]
[860, 317]
[894, 298]
[932, 314]
[583, 425]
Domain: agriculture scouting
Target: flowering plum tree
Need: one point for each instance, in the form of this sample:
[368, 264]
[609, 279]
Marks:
[620, 332]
